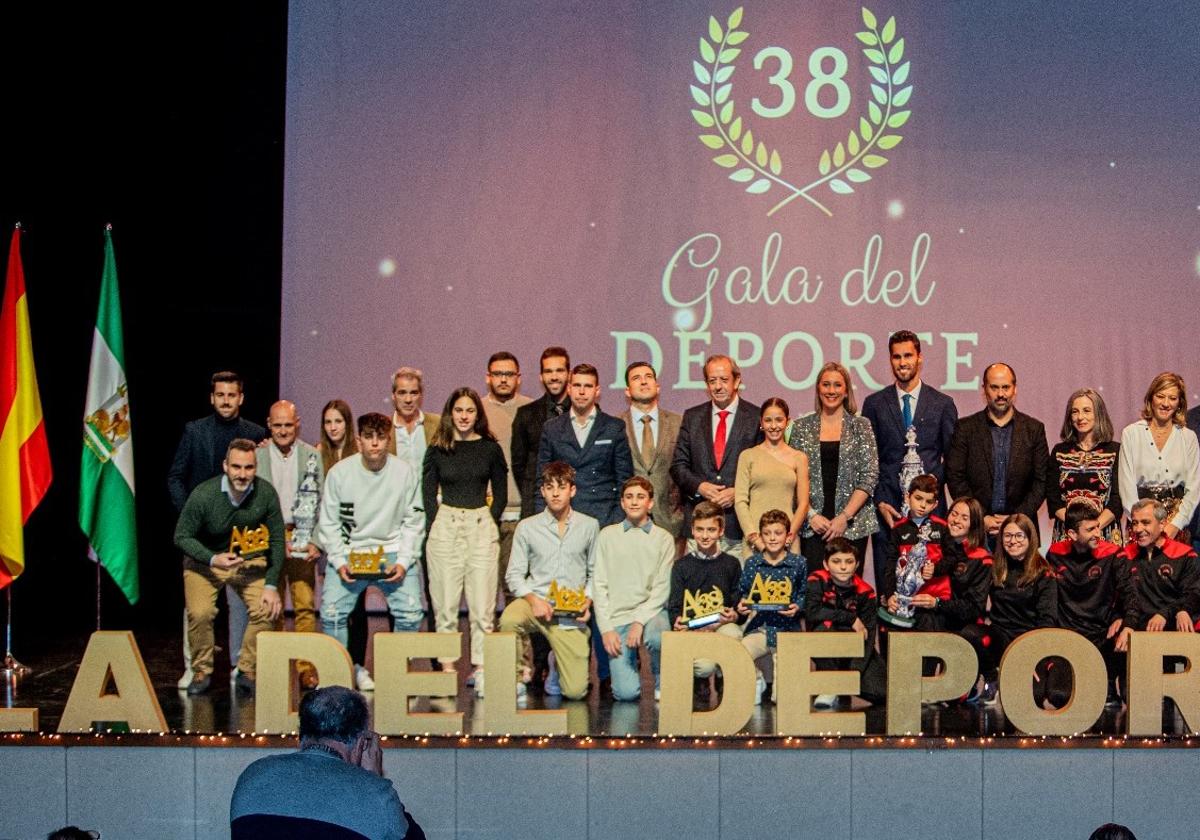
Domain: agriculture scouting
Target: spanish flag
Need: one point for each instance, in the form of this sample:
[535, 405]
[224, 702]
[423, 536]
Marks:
[24, 455]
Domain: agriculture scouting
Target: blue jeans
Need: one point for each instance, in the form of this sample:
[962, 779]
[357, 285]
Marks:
[626, 679]
[403, 600]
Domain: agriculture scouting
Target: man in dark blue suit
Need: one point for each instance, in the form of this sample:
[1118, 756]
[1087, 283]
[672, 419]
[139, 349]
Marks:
[592, 442]
[711, 438]
[891, 411]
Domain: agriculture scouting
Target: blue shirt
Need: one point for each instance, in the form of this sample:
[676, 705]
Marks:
[1001, 447]
[793, 568]
[539, 555]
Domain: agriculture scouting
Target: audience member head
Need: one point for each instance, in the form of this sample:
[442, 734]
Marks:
[1112, 831]
[71, 832]
[1166, 400]
[334, 713]
[834, 391]
[1086, 420]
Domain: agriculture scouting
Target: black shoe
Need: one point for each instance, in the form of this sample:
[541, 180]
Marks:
[700, 688]
[244, 685]
[199, 685]
[1113, 698]
[606, 692]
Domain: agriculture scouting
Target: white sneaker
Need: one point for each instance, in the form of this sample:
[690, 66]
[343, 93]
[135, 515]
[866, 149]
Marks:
[551, 686]
[522, 695]
[825, 701]
[186, 679]
[657, 694]
[362, 679]
[760, 685]
[477, 681]
[233, 675]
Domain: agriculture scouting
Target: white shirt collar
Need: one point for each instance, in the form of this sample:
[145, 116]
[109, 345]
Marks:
[915, 393]
[731, 408]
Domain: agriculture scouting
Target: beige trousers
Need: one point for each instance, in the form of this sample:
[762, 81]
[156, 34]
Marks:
[569, 644]
[462, 556]
[201, 583]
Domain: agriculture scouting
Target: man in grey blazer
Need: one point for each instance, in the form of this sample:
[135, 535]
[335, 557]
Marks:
[907, 402]
[285, 461]
[711, 437]
[652, 432]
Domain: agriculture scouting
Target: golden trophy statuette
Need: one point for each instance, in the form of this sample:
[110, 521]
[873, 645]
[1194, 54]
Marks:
[369, 564]
[568, 603]
[250, 543]
[701, 609]
[769, 594]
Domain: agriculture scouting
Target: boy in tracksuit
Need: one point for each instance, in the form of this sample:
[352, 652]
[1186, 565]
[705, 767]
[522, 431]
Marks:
[838, 600]
[1096, 594]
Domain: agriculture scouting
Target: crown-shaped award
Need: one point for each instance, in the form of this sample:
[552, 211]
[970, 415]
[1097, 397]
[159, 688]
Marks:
[249, 542]
[567, 602]
[769, 594]
[701, 609]
[367, 563]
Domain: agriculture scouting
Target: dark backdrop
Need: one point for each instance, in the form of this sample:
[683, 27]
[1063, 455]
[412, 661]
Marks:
[169, 125]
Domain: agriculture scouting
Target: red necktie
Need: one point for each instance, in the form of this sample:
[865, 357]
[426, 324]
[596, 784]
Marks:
[719, 440]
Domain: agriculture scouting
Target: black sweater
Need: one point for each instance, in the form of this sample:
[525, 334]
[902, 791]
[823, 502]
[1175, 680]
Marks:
[1019, 609]
[1094, 588]
[697, 574]
[463, 477]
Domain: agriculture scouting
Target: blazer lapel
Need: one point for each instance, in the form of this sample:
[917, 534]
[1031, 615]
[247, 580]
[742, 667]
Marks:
[706, 427]
[668, 430]
[893, 410]
[593, 432]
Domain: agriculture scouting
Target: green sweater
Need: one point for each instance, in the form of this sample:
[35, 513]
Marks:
[208, 519]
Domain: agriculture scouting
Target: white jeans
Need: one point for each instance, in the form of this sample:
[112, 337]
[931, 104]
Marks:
[462, 555]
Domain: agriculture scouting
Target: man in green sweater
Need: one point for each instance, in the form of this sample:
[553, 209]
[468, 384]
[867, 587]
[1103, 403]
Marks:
[232, 534]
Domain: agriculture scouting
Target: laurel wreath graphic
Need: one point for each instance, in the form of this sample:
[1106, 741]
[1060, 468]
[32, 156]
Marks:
[759, 166]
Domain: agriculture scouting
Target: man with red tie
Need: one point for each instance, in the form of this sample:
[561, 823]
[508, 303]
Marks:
[711, 438]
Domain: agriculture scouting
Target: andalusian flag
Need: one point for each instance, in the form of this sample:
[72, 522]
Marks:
[24, 455]
[106, 509]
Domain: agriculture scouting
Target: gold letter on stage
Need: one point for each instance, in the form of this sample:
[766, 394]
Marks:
[907, 689]
[1148, 685]
[500, 713]
[1016, 682]
[395, 683]
[19, 720]
[277, 702]
[796, 683]
[679, 653]
[112, 655]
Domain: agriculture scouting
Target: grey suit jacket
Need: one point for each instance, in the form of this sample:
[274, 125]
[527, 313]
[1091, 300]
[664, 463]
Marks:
[668, 505]
[303, 450]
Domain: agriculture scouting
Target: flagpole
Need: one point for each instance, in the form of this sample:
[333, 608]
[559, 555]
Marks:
[12, 667]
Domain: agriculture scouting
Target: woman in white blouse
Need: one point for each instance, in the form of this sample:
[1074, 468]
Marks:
[1160, 457]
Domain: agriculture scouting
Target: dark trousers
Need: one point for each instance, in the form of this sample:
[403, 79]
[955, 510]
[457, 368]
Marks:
[873, 683]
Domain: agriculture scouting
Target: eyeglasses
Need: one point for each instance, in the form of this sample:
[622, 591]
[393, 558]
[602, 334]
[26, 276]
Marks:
[504, 374]
[1008, 538]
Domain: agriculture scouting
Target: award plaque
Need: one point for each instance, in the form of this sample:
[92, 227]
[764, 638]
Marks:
[701, 609]
[567, 603]
[908, 583]
[250, 543]
[367, 563]
[304, 510]
[769, 594]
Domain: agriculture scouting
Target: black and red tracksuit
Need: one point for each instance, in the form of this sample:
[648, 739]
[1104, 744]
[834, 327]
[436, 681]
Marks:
[1016, 609]
[830, 606]
[1167, 580]
[1095, 589]
[941, 549]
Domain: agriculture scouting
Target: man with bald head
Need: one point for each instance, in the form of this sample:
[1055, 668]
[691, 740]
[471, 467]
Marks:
[999, 455]
[285, 461]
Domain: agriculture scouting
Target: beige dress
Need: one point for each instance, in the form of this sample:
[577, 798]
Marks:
[763, 483]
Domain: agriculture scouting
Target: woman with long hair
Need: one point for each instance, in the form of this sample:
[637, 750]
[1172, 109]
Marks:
[1023, 593]
[1086, 462]
[462, 553]
[843, 466]
[771, 476]
[337, 433]
[1160, 457]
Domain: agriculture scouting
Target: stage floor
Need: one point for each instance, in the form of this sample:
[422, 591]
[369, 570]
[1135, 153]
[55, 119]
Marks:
[223, 711]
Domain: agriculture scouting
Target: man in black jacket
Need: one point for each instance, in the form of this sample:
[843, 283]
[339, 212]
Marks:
[531, 418]
[999, 455]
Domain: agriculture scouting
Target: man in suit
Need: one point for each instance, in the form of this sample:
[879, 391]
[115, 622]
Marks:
[711, 437]
[999, 455]
[652, 432]
[198, 457]
[529, 422]
[909, 402]
[592, 442]
[285, 462]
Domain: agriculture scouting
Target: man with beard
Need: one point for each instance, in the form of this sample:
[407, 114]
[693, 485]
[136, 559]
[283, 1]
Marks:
[909, 402]
[999, 455]
[531, 418]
